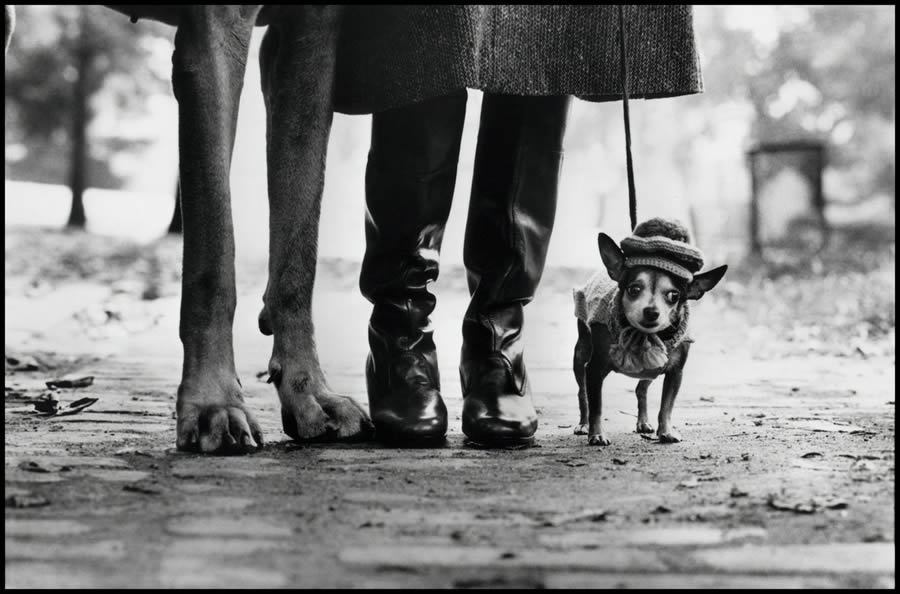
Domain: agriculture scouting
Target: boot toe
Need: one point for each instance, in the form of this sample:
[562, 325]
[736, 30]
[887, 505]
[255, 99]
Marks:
[502, 426]
[407, 428]
[501, 432]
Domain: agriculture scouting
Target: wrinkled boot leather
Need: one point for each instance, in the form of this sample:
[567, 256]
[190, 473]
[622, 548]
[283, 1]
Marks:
[497, 405]
[511, 215]
[404, 389]
[410, 178]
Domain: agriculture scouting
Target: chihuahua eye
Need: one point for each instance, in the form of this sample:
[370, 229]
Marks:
[672, 297]
[633, 291]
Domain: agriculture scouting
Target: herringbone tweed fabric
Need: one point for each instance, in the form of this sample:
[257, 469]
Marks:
[392, 55]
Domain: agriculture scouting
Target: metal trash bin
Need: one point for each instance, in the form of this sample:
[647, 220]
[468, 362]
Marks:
[787, 205]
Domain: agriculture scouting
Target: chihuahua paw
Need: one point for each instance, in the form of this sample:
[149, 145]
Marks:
[670, 436]
[581, 429]
[644, 427]
[598, 440]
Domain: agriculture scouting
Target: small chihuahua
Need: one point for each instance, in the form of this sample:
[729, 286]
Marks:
[637, 322]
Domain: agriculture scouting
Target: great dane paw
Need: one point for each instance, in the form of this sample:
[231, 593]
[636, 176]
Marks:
[644, 427]
[669, 436]
[302, 417]
[211, 427]
[324, 417]
[581, 429]
[598, 439]
[346, 418]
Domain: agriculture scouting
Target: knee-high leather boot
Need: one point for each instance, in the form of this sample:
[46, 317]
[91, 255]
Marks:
[410, 178]
[511, 214]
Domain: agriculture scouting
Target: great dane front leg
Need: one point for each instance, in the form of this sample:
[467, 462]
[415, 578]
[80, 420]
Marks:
[211, 47]
[297, 64]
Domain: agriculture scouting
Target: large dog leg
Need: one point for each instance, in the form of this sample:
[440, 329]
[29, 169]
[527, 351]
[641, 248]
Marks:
[211, 47]
[297, 65]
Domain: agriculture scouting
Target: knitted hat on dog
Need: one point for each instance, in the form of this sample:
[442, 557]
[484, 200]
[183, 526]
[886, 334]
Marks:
[664, 244]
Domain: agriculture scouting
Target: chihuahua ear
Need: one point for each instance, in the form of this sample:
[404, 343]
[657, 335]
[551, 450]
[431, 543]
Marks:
[705, 282]
[612, 256]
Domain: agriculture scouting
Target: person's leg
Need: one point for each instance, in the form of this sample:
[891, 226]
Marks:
[511, 214]
[410, 179]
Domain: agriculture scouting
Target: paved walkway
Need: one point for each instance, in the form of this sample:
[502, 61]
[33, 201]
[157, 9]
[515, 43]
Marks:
[785, 477]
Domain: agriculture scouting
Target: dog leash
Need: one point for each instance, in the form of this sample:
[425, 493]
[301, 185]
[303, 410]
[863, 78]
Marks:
[623, 59]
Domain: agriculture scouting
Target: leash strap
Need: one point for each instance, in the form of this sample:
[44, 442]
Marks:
[623, 59]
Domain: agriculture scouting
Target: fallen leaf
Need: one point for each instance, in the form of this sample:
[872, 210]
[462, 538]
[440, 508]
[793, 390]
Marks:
[661, 509]
[82, 382]
[619, 461]
[736, 492]
[47, 406]
[77, 406]
[707, 399]
[142, 489]
[23, 500]
[812, 455]
[822, 425]
[81, 402]
[798, 507]
[25, 364]
[32, 466]
[861, 456]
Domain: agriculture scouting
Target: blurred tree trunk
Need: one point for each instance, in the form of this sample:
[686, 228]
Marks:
[84, 57]
[175, 225]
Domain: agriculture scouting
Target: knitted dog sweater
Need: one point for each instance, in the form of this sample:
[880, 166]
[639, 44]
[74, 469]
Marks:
[634, 353]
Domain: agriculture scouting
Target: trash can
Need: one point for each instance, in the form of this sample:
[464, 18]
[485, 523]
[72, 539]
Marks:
[787, 205]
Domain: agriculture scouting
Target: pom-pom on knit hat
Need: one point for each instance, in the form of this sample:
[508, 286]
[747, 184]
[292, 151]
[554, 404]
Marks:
[664, 244]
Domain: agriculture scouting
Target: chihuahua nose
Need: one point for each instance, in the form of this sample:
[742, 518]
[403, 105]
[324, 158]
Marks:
[651, 314]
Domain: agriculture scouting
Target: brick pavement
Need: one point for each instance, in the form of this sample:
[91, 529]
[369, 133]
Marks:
[100, 499]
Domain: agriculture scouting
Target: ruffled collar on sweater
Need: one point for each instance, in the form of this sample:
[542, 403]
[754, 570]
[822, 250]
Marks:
[637, 353]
